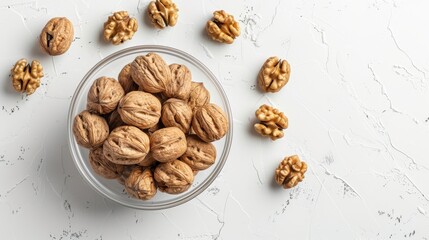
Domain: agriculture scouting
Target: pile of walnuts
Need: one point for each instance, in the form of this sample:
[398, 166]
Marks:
[152, 128]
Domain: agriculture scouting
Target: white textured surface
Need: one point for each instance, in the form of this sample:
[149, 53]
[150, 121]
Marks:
[357, 101]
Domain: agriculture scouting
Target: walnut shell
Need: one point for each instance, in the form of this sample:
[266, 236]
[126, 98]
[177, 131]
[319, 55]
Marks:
[173, 177]
[151, 73]
[199, 95]
[102, 166]
[126, 145]
[57, 36]
[176, 113]
[181, 82]
[148, 161]
[140, 109]
[210, 123]
[126, 80]
[90, 130]
[140, 183]
[167, 144]
[199, 155]
[104, 95]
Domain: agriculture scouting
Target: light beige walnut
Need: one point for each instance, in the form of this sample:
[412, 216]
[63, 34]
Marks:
[210, 123]
[126, 145]
[173, 177]
[176, 113]
[180, 85]
[102, 166]
[167, 144]
[272, 122]
[114, 120]
[140, 109]
[90, 130]
[126, 80]
[223, 28]
[274, 74]
[199, 155]
[104, 95]
[163, 13]
[141, 184]
[290, 172]
[148, 161]
[119, 28]
[199, 95]
[57, 36]
[151, 73]
[26, 77]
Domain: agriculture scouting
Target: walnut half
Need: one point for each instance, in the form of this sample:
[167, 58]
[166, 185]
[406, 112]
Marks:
[274, 74]
[26, 77]
[290, 172]
[223, 28]
[163, 13]
[119, 27]
[272, 122]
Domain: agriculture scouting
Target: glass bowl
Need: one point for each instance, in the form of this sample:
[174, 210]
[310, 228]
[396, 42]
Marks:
[111, 66]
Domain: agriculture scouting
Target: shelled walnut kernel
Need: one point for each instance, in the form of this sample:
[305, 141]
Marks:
[290, 172]
[274, 75]
[163, 13]
[272, 122]
[26, 77]
[223, 28]
[119, 28]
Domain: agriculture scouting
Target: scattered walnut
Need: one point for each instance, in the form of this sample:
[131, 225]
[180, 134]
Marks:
[180, 85]
[104, 95]
[90, 130]
[119, 27]
[176, 113]
[173, 177]
[223, 28]
[167, 144]
[114, 120]
[102, 166]
[140, 109]
[274, 74]
[199, 155]
[126, 145]
[290, 172]
[272, 122]
[163, 13]
[199, 95]
[148, 161]
[57, 36]
[126, 80]
[26, 77]
[140, 183]
[210, 123]
[151, 73]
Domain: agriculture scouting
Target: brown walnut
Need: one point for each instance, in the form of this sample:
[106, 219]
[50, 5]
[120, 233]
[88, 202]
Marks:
[104, 95]
[210, 123]
[199, 95]
[126, 80]
[167, 144]
[140, 109]
[180, 85]
[274, 74]
[176, 113]
[272, 122]
[223, 28]
[290, 172]
[102, 166]
[151, 73]
[140, 183]
[163, 13]
[173, 177]
[90, 130]
[148, 161]
[114, 120]
[199, 155]
[26, 77]
[57, 36]
[119, 28]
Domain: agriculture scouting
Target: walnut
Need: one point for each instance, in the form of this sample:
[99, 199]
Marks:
[102, 166]
[274, 74]
[176, 113]
[210, 123]
[119, 27]
[140, 183]
[126, 80]
[114, 120]
[26, 77]
[57, 36]
[126, 145]
[153, 129]
[199, 95]
[173, 177]
[223, 28]
[140, 109]
[126, 173]
[199, 155]
[104, 95]
[167, 144]
[180, 85]
[90, 130]
[290, 172]
[151, 73]
[148, 161]
[272, 122]
[163, 13]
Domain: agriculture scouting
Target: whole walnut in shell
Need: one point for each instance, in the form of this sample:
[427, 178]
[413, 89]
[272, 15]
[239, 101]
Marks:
[126, 145]
[26, 77]
[180, 85]
[274, 74]
[167, 144]
[210, 123]
[102, 166]
[126, 80]
[173, 177]
[104, 95]
[90, 130]
[163, 13]
[199, 95]
[290, 172]
[176, 113]
[199, 155]
[140, 109]
[140, 183]
[57, 36]
[151, 73]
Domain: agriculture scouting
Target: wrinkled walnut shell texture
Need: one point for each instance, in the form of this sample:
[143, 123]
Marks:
[210, 123]
[90, 130]
[167, 144]
[102, 166]
[125, 79]
[57, 36]
[104, 95]
[151, 73]
[140, 109]
[199, 155]
[180, 85]
[141, 184]
[199, 95]
[176, 113]
[173, 177]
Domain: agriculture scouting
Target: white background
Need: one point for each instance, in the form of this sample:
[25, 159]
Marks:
[357, 103]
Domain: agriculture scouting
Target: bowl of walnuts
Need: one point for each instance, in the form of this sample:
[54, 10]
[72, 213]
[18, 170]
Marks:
[150, 127]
